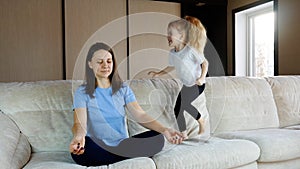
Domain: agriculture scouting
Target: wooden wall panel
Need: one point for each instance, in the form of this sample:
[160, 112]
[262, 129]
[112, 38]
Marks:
[31, 40]
[89, 21]
[148, 46]
[288, 37]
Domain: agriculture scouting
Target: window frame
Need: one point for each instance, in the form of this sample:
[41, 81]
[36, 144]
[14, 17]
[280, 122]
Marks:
[250, 57]
[274, 9]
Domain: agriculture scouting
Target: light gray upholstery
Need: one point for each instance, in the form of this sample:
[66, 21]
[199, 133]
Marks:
[244, 120]
[287, 98]
[15, 149]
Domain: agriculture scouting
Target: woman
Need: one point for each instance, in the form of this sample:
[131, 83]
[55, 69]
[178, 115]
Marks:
[99, 132]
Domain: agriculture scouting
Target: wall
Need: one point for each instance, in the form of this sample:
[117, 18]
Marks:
[148, 43]
[87, 22]
[31, 46]
[288, 36]
[215, 24]
[49, 39]
[31, 40]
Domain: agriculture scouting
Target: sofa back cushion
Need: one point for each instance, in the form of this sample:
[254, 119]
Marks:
[42, 110]
[287, 98]
[15, 151]
[240, 103]
[157, 97]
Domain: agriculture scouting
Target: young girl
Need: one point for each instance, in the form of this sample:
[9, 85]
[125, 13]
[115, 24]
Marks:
[100, 136]
[188, 38]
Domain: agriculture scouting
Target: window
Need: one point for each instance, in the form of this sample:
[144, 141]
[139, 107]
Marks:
[254, 41]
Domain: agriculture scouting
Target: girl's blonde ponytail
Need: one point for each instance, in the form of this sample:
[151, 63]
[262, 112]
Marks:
[196, 34]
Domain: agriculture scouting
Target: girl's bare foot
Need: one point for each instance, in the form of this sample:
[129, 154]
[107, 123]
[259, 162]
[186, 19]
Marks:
[184, 135]
[201, 126]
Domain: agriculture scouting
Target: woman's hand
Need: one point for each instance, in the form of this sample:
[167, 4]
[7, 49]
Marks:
[79, 131]
[147, 121]
[77, 145]
[153, 74]
[173, 136]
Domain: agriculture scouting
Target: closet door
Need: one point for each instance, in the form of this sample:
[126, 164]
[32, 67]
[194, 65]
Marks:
[31, 40]
[148, 45]
[87, 22]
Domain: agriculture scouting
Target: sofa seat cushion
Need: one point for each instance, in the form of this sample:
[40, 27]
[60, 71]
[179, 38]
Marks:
[63, 160]
[216, 153]
[247, 166]
[289, 164]
[287, 97]
[275, 144]
[295, 127]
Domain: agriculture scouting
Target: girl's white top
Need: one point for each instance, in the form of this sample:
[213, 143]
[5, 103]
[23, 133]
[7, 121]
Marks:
[187, 64]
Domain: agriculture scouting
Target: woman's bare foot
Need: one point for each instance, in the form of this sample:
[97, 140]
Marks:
[201, 126]
[184, 135]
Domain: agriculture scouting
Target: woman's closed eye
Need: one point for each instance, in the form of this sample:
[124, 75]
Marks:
[107, 61]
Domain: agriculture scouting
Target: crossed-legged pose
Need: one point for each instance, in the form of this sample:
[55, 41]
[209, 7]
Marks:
[99, 131]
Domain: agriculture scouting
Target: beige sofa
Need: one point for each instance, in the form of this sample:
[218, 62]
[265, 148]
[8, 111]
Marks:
[250, 123]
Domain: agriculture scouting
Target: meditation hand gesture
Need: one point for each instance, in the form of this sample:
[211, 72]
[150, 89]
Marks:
[173, 136]
[77, 145]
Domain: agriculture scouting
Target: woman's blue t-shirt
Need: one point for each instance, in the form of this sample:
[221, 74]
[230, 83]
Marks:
[105, 112]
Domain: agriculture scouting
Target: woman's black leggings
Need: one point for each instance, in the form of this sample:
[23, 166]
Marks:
[184, 99]
[98, 153]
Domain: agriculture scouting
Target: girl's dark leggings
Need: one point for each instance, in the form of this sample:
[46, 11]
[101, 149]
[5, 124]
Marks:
[184, 99]
[98, 153]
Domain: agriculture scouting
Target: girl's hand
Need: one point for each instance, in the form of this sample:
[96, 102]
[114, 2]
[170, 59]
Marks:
[173, 136]
[77, 145]
[153, 74]
[200, 81]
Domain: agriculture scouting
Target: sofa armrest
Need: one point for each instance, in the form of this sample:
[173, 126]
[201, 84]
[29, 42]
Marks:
[15, 149]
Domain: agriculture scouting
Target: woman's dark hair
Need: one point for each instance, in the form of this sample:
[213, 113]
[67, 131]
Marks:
[91, 82]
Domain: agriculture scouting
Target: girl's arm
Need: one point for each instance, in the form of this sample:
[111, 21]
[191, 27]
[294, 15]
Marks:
[204, 67]
[79, 131]
[166, 70]
[147, 121]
